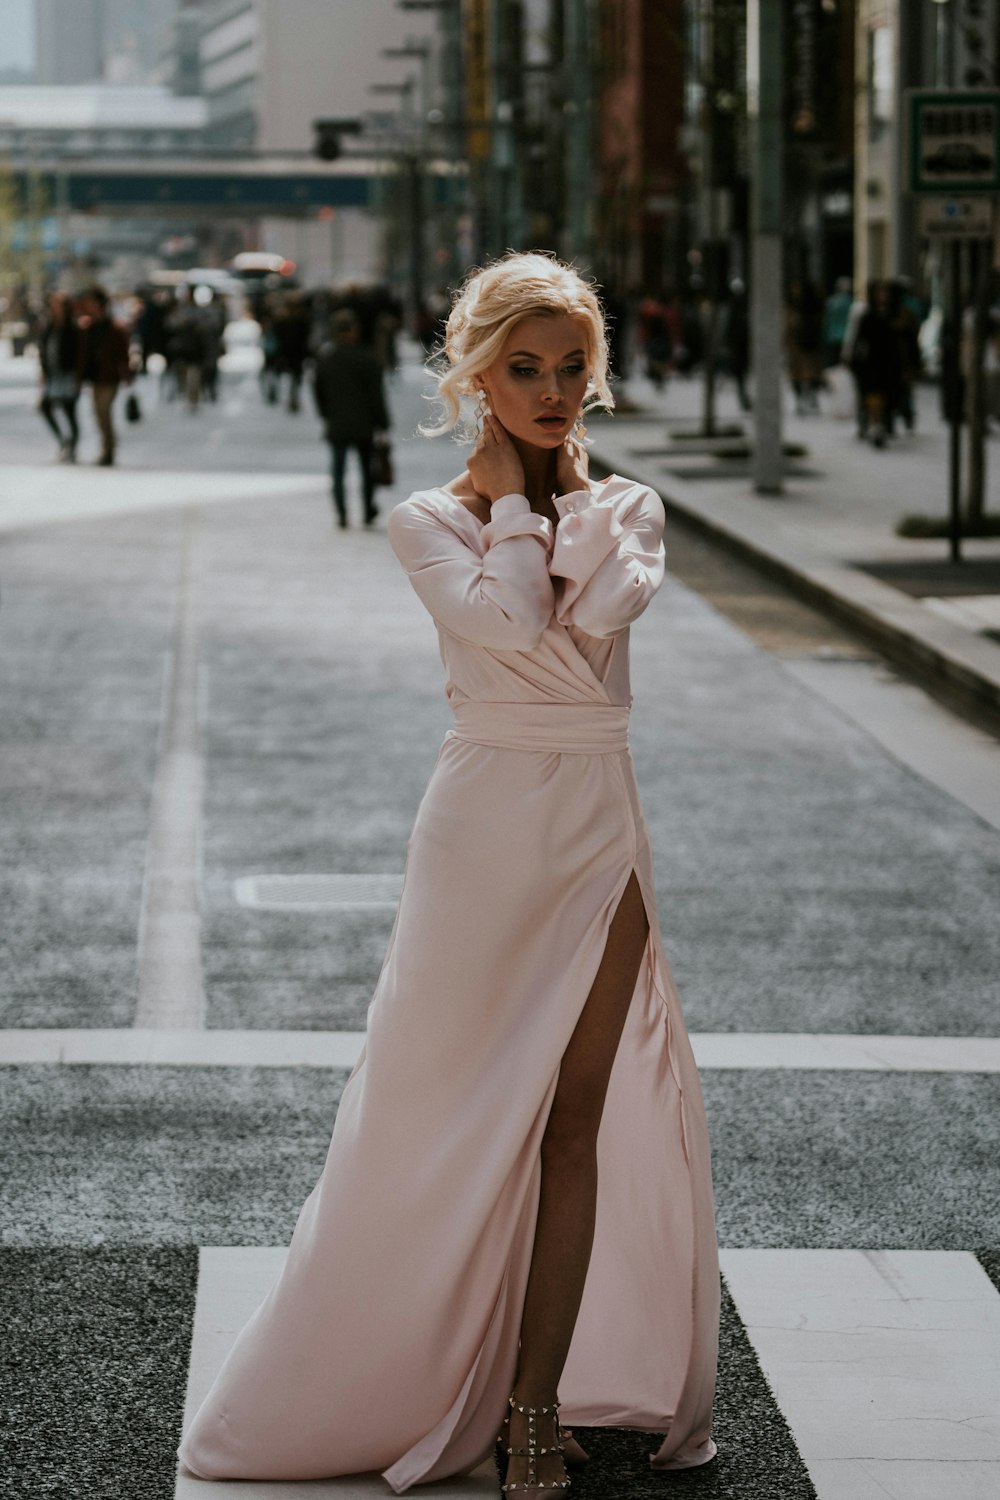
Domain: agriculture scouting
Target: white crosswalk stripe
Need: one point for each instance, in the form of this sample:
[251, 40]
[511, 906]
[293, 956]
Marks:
[231, 1282]
[886, 1365]
[729, 1050]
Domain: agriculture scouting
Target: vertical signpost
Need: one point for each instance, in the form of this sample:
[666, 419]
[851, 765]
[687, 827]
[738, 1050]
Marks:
[765, 105]
[954, 167]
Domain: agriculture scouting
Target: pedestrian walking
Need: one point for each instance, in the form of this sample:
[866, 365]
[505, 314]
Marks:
[350, 398]
[103, 364]
[876, 365]
[804, 345]
[187, 348]
[905, 317]
[734, 339]
[291, 329]
[58, 349]
[836, 315]
[475, 1248]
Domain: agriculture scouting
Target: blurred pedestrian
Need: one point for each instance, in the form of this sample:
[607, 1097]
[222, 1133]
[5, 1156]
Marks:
[836, 314]
[905, 316]
[103, 364]
[657, 343]
[350, 397]
[734, 339]
[186, 348]
[291, 329]
[876, 366]
[58, 349]
[804, 345]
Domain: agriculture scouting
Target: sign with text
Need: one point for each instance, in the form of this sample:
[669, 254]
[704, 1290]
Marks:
[956, 218]
[954, 141]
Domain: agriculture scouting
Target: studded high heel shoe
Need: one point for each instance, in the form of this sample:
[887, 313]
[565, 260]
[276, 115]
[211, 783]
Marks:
[534, 1450]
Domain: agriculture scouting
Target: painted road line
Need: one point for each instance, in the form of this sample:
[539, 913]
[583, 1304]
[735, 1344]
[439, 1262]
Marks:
[191, 1047]
[885, 1364]
[171, 991]
[232, 1281]
[185, 1048]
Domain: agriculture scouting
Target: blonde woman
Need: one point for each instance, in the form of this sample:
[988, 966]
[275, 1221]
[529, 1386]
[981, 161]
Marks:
[516, 1205]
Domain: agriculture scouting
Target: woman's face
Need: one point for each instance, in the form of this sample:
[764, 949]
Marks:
[537, 383]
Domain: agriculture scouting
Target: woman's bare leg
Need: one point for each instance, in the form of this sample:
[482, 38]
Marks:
[567, 1206]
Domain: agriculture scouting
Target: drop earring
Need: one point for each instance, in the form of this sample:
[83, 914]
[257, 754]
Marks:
[580, 430]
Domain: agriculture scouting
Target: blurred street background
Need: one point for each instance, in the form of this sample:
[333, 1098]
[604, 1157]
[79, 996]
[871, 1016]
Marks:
[219, 707]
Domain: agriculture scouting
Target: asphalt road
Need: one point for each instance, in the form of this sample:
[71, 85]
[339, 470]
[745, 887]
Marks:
[809, 881]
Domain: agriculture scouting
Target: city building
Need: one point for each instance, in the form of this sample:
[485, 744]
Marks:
[903, 44]
[86, 41]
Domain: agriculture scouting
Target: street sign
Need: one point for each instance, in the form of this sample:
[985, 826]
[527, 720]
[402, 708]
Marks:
[956, 218]
[954, 140]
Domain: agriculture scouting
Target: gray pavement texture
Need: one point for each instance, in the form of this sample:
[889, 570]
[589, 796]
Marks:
[808, 881]
[122, 1156]
[93, 1367]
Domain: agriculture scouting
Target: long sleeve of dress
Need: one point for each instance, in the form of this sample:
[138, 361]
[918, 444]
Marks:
[502, 599]
[608, 558]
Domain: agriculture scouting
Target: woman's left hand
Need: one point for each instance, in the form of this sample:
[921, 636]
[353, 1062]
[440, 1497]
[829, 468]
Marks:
[572, 467]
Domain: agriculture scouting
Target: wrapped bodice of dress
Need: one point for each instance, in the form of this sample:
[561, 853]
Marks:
[528, 614]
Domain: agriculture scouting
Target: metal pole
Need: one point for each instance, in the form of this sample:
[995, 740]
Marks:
[765, 52]
[578, 131]
[953, 387]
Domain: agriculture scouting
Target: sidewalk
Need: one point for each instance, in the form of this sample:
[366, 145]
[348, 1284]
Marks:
[831, 534]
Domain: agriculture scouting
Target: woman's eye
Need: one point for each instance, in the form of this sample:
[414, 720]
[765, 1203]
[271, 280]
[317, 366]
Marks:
[522, 370]
[573, 370]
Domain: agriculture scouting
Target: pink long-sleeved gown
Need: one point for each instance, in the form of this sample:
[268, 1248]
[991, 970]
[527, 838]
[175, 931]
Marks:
[390, 1339]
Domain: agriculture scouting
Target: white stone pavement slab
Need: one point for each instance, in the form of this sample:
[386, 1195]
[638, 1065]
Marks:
[231, 1283]
[341, 1049]
[32, 496]
[885, 1363]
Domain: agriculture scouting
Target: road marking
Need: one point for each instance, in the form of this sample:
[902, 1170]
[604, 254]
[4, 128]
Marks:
[170, 967]
[232, 1281]
[725, 1051]
[319, 892]
[884, 1363]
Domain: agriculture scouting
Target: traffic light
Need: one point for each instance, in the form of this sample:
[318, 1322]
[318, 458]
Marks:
[328, 132]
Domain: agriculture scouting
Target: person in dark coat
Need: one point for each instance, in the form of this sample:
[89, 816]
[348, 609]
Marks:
[102, 363]
[58, 349]
[350, 398]
[876, 363]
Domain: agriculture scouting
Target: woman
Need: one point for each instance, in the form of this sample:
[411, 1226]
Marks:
[461, 1259]
[58, 346]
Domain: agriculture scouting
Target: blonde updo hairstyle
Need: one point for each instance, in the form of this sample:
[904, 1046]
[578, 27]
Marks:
[491, 301]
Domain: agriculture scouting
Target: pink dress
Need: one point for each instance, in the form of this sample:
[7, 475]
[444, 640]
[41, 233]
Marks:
[390, 1339]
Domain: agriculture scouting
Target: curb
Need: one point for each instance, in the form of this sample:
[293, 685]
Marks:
[901, 627]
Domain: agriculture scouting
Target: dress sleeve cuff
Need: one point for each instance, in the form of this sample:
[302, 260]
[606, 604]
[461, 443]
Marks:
[574, 502]
[510, 516]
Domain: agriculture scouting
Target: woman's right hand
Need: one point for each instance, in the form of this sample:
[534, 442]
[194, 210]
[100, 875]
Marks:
[495, 465]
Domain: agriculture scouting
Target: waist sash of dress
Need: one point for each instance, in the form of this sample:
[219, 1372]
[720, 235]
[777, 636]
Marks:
[567, 728]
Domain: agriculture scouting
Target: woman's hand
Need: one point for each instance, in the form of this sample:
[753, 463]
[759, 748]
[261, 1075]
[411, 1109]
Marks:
[495, 465]
[572, 467]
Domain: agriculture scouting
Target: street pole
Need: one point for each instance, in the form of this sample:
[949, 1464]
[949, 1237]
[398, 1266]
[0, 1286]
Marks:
[765, 52]
[952, 375]
[577, 113]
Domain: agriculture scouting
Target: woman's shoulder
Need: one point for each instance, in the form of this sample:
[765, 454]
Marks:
[428, 510]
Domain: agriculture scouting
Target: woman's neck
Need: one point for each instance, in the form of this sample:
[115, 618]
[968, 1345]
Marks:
[539, 470]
